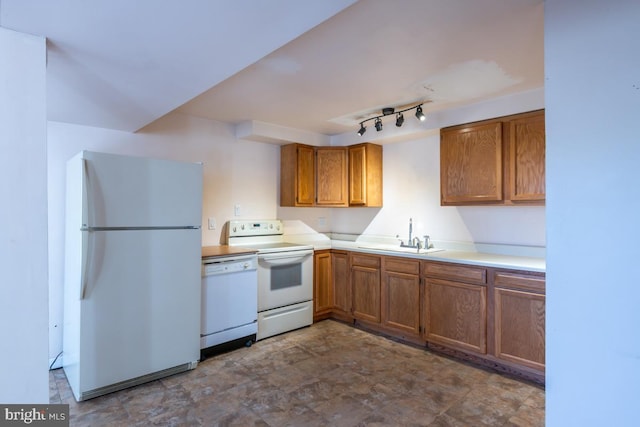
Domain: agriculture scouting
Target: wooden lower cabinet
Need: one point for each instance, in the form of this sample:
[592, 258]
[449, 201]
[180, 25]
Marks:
[401, 293]
[341, 285]
[322, 285]
[365, 287]
[520, 319]
[489, 316]
[456, 315]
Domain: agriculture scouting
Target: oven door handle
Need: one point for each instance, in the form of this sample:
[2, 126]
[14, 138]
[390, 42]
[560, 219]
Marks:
[285, 258]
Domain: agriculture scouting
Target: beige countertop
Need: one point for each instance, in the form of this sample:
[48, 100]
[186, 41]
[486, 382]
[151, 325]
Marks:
[224, 250]
[462, 257]
[526, 263]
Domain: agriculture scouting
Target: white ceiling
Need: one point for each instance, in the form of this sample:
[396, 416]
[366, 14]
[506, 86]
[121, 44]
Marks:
[319, 66]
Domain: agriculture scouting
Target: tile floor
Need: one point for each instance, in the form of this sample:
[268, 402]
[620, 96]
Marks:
[329, 374]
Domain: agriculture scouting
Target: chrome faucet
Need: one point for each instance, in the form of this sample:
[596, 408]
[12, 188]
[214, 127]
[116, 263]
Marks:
[415, 242]
[411, 242]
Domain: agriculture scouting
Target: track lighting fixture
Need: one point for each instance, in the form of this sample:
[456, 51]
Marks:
[378, 124]
[389, 111]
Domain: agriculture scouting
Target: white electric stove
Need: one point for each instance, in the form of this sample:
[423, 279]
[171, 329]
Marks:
[285, 275]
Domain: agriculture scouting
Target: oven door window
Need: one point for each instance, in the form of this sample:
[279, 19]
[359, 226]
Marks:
[286, 276]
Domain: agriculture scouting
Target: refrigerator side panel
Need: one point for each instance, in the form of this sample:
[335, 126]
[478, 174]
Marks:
[126, 191]
[72, 272]
[141, 311]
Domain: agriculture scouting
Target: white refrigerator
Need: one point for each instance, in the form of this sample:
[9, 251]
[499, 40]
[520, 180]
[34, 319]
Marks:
[132, 271]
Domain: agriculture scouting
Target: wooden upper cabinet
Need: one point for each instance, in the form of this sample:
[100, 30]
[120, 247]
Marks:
[297, 175]
[365, 175]
[471, 164]
[331, 176]
[526, 151]
[498, 161]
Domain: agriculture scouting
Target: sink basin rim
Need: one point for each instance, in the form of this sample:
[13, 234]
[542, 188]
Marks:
[401, 249]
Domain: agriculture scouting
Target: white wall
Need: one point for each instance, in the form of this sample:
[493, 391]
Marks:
[23, 234]
[235, 172]
[592, 60]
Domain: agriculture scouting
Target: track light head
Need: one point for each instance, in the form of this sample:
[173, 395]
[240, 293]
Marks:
[419, 114]
[362, 130]
[399, 119]
[378, 124]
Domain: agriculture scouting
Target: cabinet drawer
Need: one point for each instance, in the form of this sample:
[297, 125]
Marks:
[399, 265]
[459, 272]
[365, 260]
[519, 281]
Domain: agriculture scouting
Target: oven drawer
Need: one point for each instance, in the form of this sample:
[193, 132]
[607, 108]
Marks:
[284, 319]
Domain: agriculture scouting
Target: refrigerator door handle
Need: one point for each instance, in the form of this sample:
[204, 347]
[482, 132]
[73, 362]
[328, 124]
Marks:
[85, 193]
[86, 257]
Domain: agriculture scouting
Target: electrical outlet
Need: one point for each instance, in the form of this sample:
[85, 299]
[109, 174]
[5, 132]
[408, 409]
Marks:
[212, 223]
[322, 221]
[236, 210]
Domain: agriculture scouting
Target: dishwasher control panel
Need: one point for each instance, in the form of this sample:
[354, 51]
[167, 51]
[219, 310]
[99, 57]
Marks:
[221, 266]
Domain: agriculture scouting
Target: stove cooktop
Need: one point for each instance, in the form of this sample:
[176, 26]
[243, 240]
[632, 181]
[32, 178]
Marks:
[276, 247]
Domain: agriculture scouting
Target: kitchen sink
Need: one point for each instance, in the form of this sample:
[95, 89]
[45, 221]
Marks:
[389, 248]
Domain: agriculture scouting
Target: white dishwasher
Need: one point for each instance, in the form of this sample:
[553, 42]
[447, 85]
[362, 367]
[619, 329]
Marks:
[229, 302]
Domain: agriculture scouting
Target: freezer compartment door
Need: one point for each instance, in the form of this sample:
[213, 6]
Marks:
[140, 312]
[125, 191]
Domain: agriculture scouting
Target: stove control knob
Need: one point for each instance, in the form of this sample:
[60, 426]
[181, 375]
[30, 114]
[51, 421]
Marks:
[235, 228]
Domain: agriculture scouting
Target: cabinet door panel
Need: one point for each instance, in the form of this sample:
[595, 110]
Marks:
[341, 288]
[456, 315]
[471, 164]
[527, 158]
[305, 188]
[297, 175]
[322, 286]
[401, 306]
[520, 327]
[365, 175]
[365, 285]
[331, 173]
[357, 176]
